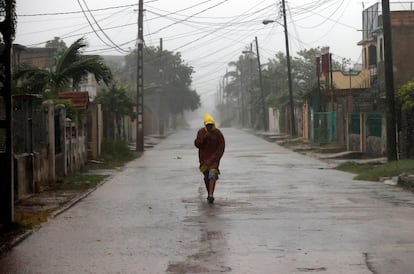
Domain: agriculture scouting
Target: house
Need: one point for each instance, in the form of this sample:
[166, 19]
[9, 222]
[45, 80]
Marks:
[342, 95]
[350, 107]
[38, 57]
[402, 39]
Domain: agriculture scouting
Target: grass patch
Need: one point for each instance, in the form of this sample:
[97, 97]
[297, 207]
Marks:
[114, 154]
[78, 181]
[288, 143]
[372, 172]
[26, 220]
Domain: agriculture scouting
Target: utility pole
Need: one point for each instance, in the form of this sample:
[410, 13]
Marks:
[241, 98]
[161, 101]
[226, 83]
[6, 116]
[292, 107]
[218, 94]
[389, 82]
[140, 79]
[265, 124]
[222, 88]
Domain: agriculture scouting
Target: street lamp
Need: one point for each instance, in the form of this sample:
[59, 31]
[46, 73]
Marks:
[292, 110]
[265, 125]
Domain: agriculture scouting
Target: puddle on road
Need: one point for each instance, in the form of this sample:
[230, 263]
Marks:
[311, 269]
[184, 267]
[208, 257]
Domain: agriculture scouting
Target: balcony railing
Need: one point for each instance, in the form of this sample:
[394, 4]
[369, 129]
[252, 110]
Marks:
[370, 16]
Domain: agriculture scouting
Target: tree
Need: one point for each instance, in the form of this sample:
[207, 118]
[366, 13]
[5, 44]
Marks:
[115, 104]
[275, 81]
[70, 68]
[239, 91]
[56, 43]
[304, 71]
[405, 95]
[405, 98]
[166, 77]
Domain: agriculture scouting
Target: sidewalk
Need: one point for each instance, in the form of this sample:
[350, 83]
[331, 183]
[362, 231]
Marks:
[48, 204]
[335, 155]
[39, 207]
[330, 153]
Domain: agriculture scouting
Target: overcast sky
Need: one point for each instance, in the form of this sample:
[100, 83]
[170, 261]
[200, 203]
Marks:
[208, 33]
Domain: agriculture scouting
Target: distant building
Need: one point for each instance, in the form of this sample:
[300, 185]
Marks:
[90, 85]
[38, 57]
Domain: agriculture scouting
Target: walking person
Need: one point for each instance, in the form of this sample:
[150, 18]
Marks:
[210, 143]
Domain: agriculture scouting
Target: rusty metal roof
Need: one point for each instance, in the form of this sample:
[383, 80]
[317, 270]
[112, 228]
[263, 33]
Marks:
[79, 99]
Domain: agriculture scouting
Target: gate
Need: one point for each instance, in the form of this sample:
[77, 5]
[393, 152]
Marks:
[324, 127]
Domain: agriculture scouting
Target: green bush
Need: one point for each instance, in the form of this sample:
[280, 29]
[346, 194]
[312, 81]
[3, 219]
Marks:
[116, 152]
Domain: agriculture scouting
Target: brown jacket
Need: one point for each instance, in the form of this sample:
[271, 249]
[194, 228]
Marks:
[210, 147]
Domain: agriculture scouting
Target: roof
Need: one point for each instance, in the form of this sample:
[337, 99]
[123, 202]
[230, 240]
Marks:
[79, 99]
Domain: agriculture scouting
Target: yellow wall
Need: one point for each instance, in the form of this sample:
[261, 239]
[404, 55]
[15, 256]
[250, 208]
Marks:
[346, 81]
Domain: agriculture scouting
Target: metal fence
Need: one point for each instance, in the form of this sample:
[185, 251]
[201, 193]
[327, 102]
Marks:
[324, 127]
[373, 123]
[29, 124]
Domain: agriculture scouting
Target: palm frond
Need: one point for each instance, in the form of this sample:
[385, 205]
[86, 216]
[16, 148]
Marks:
[92, 64]
[33, 79]
[70, 55]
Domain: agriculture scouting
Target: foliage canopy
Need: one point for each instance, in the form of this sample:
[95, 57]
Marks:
[70, 68]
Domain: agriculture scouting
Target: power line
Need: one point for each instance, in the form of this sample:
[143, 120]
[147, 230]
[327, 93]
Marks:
[185, 19]
[96, 22]
[229, 23]
[327, 18]
[176, 12]
[72, 12]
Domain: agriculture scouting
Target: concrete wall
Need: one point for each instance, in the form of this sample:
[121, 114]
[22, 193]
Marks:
[402, 46]
[95, 130]
[40, 169]
[35, 170]
[274, 117]
[353, 80]
[23, 177]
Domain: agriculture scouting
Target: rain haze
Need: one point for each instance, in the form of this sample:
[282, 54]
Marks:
[209, 34]
[134, 177]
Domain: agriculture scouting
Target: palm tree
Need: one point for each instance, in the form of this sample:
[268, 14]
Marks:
[70, 68]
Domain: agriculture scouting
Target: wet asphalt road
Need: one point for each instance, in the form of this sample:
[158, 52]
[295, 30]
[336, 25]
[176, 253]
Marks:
[276, 211]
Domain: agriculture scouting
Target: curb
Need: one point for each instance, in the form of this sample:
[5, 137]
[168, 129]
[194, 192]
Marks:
[76, 200]
[5, 248]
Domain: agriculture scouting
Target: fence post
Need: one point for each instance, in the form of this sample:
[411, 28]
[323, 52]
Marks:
[363, 132]
[50, 128]
[347, 128]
